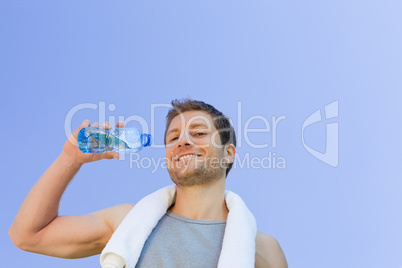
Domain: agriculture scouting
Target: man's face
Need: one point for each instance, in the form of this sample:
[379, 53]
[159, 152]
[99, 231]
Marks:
[194, 153]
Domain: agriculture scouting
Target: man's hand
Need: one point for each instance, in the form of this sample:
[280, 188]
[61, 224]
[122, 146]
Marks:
[71, 149]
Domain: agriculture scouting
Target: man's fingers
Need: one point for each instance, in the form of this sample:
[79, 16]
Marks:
[106, 125]
[120, 124]
[115, 155]
[84, 123]
[96, 124]
[109, 155]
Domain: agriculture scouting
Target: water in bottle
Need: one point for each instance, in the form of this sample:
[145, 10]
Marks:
[94, 140]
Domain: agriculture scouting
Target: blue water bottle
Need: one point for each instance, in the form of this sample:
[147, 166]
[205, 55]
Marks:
[95, 140]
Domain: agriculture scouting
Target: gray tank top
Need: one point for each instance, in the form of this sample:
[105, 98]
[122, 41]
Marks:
[180, 242]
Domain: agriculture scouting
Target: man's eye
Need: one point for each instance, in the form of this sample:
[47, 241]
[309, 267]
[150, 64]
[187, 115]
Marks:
[175, 138]
[200, 134]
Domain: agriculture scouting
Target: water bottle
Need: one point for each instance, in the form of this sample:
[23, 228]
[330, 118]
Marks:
[95, 140]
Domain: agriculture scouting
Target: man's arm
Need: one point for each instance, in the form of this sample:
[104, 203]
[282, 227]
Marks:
[268, 252]
[38, 227]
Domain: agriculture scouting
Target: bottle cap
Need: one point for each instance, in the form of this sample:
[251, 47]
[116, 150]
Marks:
[149, 140]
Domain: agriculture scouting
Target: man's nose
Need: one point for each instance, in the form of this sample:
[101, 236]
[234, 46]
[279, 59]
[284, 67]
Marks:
[184, 140]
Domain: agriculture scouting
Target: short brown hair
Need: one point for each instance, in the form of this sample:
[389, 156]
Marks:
[221, 122]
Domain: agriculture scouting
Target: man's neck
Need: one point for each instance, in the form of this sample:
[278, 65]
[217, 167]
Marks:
[201, 202]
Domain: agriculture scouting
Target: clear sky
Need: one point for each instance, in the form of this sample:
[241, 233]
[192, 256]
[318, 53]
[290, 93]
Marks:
[332, 198]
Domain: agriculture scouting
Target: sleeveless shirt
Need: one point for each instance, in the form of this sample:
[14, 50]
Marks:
[180, 242]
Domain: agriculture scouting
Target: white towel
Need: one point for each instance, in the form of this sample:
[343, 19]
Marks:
[124, 248]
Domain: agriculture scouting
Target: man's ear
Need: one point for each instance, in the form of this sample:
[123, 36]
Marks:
[230, 153]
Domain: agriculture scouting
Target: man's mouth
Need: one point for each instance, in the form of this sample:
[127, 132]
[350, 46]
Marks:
[187, 156]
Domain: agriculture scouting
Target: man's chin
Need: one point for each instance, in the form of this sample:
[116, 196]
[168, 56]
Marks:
[187, 173]
[194, 178]
[187, 177]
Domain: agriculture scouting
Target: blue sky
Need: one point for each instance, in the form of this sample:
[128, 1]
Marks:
[253, 61]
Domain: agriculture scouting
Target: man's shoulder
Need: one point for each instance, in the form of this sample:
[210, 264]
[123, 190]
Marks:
[268, 252]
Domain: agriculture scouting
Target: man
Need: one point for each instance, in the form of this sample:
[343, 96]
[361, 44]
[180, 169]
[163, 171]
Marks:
[200, 150]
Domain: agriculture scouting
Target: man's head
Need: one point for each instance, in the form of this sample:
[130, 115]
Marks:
[199, 128]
